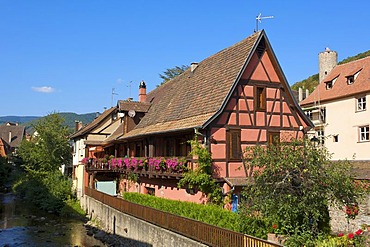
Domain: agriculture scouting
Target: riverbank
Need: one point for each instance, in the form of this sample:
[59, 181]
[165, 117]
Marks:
[23, 225]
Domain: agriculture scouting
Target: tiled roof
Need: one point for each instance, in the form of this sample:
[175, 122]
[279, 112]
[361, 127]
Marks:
[190, 99]
[340, 88]
[125, 105]
[17, 134]
[86, 129]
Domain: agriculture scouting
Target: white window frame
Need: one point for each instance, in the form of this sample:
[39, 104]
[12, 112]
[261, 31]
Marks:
[361, 103]
[364, 133]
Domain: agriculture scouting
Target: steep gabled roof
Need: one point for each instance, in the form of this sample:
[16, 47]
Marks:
[341, 88]
[96, 122]
[190, 99]
[197, 96]
[14, 132]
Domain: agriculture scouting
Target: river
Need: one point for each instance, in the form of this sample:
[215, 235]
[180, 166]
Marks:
[23, 225]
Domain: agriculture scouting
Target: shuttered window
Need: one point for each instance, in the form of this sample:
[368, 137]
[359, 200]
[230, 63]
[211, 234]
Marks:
[233, 144]
[260, 99]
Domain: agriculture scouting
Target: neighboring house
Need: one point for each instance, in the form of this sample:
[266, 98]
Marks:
[235, 98]
[11, 135]
[338, 108]
[87, 143]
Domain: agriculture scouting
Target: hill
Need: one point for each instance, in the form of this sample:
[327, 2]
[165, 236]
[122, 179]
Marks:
[69, 119]
[311, 82]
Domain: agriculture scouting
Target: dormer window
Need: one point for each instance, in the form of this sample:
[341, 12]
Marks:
[331, 80]
[351, 77]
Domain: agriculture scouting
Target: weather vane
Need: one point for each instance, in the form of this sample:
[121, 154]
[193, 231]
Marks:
[259, 19]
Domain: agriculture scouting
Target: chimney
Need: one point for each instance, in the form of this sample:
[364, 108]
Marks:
[142, 92]
[78, 125]
[10, 137]
[300, 94]
[193, 66]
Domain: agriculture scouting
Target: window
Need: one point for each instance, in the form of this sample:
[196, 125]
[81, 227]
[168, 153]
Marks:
[322, 115]
[329, 85]
[233, 144]
[150, 191]
[335, 138]
[260, 99]
[361, 104]
[364, 133]
[309, 114]
[273, 138]
[321, 136]
[350, 79]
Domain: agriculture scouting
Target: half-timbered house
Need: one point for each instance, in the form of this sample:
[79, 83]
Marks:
[235, 98]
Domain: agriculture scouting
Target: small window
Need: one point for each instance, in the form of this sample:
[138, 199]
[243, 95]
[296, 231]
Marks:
[260, 99]
[322, 115]
[234, 144]
[361, 104]
[150, 191]
[321, 136]
[335, 138]
[364, 133]
[350, 79]
[329, 85]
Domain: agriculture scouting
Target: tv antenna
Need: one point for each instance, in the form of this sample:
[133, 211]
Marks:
[113, 93]
[259, 18]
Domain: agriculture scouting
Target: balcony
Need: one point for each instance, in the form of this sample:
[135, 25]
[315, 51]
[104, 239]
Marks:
[153, 167]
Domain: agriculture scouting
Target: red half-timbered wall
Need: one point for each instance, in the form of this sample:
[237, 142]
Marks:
[260, 111]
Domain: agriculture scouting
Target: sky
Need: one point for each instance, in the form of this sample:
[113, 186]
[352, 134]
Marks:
[83, 55]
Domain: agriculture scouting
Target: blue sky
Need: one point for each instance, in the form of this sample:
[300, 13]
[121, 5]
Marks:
[66, 56]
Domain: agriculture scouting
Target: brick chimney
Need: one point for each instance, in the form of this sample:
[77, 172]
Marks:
[142, 92]
[78, 125]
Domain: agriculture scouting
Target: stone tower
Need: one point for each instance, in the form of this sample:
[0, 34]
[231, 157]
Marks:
[327, 61]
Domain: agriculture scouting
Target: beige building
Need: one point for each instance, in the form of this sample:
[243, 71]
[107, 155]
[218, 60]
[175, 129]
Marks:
[339, 108]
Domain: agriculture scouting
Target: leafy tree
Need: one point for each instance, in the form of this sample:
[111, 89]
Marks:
[294, 185]
[49, 148]
[171, 73]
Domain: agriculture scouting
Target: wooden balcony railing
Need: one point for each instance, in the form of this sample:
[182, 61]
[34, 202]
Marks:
[170, 167]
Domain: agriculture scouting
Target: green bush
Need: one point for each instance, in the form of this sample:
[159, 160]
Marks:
[211, 214]
[48, 191]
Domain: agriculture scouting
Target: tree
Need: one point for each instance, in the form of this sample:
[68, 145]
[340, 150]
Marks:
[169, 74]
[49, 148]
[295, 183]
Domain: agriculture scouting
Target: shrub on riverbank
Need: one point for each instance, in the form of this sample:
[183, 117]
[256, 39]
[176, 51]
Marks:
[48, 191]
[211, 214]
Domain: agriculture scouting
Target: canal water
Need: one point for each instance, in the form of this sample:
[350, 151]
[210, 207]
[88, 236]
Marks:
[22, 225]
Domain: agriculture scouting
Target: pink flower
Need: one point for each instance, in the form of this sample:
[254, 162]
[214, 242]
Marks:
[351, 235]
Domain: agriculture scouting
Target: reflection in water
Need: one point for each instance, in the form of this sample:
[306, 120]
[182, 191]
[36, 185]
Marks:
[21, 225]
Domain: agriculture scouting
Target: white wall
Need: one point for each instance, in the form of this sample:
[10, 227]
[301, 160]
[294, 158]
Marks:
[343, 120]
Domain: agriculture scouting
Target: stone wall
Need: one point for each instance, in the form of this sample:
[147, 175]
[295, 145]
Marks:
[339, 222]
[126, 226]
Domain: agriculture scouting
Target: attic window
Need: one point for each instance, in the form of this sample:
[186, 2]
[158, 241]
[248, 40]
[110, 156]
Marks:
[352, 76]
[330, 84]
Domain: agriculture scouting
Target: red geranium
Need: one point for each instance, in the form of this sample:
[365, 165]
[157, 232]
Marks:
[358, 232]
[351, 235]
[274, 226]
[340, 234]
